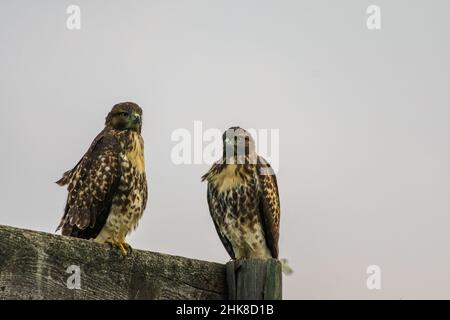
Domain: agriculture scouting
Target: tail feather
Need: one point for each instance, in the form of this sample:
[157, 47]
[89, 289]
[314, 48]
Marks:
[285, 268]
[65, 178]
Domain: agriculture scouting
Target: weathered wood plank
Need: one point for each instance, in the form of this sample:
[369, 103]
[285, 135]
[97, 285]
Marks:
[33, 266]
[254, 279]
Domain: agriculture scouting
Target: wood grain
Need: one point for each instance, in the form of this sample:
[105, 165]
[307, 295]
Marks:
[254, 279]
[33, 266]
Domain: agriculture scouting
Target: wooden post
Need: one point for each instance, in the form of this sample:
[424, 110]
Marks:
[254, 279]
[38, 265]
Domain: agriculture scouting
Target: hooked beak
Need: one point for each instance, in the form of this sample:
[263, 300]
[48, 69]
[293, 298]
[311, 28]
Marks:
[136, 118]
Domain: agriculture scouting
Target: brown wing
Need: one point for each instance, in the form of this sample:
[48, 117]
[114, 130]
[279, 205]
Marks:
[269, 205]
[218, 218]
[91, 185]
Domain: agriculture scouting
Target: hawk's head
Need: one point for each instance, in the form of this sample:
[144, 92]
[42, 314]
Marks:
[238, 146]
[125, 116]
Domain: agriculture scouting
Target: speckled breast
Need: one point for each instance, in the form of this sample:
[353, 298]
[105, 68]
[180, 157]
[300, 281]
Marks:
[242, 222]
[132, 196]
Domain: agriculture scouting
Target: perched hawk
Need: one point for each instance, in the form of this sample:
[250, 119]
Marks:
[243, 199]
[108, 186]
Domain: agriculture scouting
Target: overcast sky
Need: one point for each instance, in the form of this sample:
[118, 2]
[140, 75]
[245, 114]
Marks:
[363, 119]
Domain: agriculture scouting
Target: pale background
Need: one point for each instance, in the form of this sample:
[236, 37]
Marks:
[363, 117]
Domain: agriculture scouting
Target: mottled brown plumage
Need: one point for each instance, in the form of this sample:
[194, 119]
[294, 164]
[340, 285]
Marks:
[243, 199]
[108, 187]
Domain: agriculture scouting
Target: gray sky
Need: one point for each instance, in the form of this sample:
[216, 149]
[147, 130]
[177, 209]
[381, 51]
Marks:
[363, 116]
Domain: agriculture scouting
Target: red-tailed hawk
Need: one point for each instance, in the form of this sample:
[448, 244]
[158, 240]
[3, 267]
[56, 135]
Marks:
[243, 199]
[108, 187]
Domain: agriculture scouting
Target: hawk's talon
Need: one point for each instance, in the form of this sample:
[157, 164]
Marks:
[127, 247]
[122, 249]
[121, 246]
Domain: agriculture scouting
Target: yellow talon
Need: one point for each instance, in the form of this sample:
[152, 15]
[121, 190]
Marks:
[120, 245]
[122, 248]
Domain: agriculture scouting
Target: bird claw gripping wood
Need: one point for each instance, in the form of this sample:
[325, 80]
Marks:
[123, 247]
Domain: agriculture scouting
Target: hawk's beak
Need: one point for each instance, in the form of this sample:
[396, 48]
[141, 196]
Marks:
[136, 118]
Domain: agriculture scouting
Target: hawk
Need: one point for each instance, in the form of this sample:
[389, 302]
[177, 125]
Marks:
[108, 187]
[243, 199]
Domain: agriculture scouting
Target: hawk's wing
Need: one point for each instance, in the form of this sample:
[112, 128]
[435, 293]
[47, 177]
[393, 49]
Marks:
[269, 205]
[217, 218]
[91, 185]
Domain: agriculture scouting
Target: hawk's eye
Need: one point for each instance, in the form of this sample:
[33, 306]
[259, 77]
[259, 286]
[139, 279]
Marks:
[123, 114]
